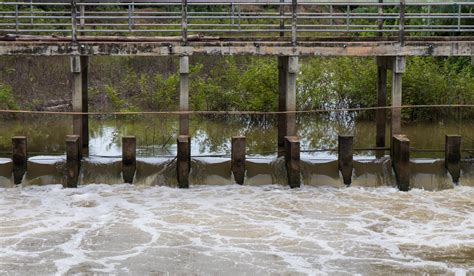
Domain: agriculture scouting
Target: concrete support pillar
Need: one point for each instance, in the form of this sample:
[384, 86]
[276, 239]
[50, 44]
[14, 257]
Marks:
[79, 70]
[401, 161]
[381, 114]
[19, 158]
[183, 161]
[238, 159]
[452, 160]
[184, 94]
[292, 161]
[73, 161]
[345, 157]
[129, 158]
[398, 68]
[287, 74]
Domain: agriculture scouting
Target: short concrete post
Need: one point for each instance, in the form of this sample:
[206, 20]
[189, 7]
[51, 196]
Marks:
[73, 161]
[452, 160]
[184, 94]
[401, 161]
[238, 159]
[292, 161]
[183, 161]
[287, 74]
[79, 70]
[19, 158]
[129, 158]
[345, 158]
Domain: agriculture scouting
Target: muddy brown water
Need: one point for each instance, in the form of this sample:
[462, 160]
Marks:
[217, 227]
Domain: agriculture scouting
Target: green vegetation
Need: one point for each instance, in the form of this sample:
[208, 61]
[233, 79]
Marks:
[248, 83]
[7, 100]
[237, 83]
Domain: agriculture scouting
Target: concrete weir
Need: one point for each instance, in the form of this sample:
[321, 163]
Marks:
[394, 38]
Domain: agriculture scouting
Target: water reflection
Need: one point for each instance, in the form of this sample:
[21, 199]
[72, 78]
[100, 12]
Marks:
[156, 135]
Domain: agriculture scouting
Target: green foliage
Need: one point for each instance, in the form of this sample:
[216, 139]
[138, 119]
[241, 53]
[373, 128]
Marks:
[337, 83]
[118, 104]
[248, 83]
[7, 101]
[228, 86]
[437, 81]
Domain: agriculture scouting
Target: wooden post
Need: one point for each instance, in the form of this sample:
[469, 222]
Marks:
[73, 161]
[397, 73]
[129, 158]
[381, 114]
[401, 161]
[345, 158]
[238, 159]
[19, 158]
[184, 94]
[292, 161]
[79, 70]
[452, 160]
[183, 161]
[288, 71]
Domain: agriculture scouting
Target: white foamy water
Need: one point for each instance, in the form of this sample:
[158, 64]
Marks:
[234, 229]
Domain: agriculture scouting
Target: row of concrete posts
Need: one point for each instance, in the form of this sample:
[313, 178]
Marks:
[400, 159]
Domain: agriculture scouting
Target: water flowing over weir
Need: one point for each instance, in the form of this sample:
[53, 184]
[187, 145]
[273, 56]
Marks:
[126, 229]
[428, 174]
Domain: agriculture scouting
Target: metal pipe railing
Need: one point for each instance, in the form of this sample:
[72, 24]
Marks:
[182, 17]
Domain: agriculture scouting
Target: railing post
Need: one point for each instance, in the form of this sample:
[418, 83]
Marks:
[294, 22]
[129, 17]
[282, 20]
[452, 159]
[31, 12]
[82, 20]
[231, 13]
[402, 23]
[429, 16]
[459, 17]
[380, 21]
[73, 21]
[238, 16]
[348, 10]
[184, 21]
[331, 11]
[17, 20]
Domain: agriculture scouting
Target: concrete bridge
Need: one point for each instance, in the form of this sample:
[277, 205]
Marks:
[389, 31]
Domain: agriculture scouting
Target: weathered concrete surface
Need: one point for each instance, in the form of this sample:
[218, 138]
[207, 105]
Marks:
[462, 47]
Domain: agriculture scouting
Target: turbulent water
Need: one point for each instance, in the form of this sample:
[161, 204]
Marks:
[235, 229]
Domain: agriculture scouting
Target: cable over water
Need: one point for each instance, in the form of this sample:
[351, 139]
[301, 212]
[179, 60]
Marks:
[236, 112]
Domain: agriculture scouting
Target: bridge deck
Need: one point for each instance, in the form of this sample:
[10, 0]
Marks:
[224, 27]
[162, 46]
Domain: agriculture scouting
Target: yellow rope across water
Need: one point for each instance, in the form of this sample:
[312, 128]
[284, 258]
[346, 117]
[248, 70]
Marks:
[234, 112]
